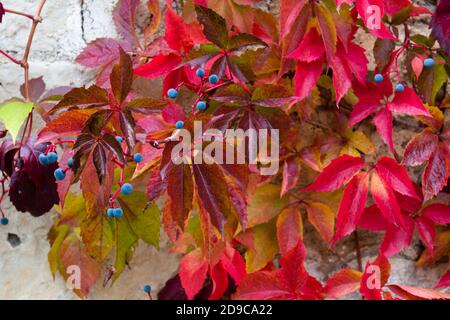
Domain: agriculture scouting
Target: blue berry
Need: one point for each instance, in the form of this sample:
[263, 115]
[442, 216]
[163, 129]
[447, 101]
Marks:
[428, 63]
[200, 72]
[43, 159]
[137, 157]
[70, 162]
[4, 221]
[179, 124]
[213, 78]
[378, 78]
[119, 139]
[147, 288]
[110, 212]
[52, 157]
[59, 174]
[201, 105]
[172, 93]
[126, 188]
[399, 87]
[118, 213]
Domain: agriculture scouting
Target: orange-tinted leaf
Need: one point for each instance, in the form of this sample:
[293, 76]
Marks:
[289, 228]
[343, 283]
[413, 293]
[193, 268]
[322, 218]
[291, 175]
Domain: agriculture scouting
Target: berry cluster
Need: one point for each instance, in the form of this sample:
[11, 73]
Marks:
[427, 63]
[201, 105]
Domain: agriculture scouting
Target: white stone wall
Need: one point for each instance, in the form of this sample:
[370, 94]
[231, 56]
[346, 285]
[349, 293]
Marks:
[24, 273]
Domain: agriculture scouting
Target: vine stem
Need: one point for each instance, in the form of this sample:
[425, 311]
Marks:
[358, 250]
[24, 63]
[19, 13]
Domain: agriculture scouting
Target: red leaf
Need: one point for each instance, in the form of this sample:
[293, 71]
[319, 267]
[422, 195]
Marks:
[396, 239]
[293, 275]
[413, 293]
[338, 172]
[180, 190]
[409, 103]
[234, 264]
[343, 283]
[383, 123]
[372, 219]
[306, 76]
[342, 76]
[417, 65]
[395, 176]
[385, 200]
[100, 52]
[291, 175]
[173, 113]
[219, 279]
[259, 286]
[373, 18]
[193, 268]
[420, 148]
[435, 176]
[352, 205]
[437, 212]
[177, 35]
[445, 281]
[289, 11]
[124, 17]
[375, 276]
[158, 66]
[427, 232]
[368, 102]
[310, 49]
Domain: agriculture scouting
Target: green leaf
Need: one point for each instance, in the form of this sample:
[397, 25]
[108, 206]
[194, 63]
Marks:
[431, 81]
[13, 113]
[401, 16]
[143, 217]
[265, 204]
[126, 241]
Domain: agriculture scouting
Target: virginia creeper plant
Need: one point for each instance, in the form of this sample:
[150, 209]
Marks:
[104, 159]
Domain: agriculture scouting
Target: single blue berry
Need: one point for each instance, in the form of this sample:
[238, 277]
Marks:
[110, 212]
[70, 162]
[126, 188]
[118, 212]
[378, 78]
[399, 87]
[43, 159]
[119, 139]
[137, 157]
[213, 78]
[52, 157]
[201, 105]
[59, 174]
[200, 72]
[4, 221]
[179, 124]
[428, 63]
[172, 93]
[147, 288]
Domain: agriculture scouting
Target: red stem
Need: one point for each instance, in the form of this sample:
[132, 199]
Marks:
[10, 58]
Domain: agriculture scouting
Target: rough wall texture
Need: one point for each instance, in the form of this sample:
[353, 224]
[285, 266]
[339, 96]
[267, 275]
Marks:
[24, 272]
